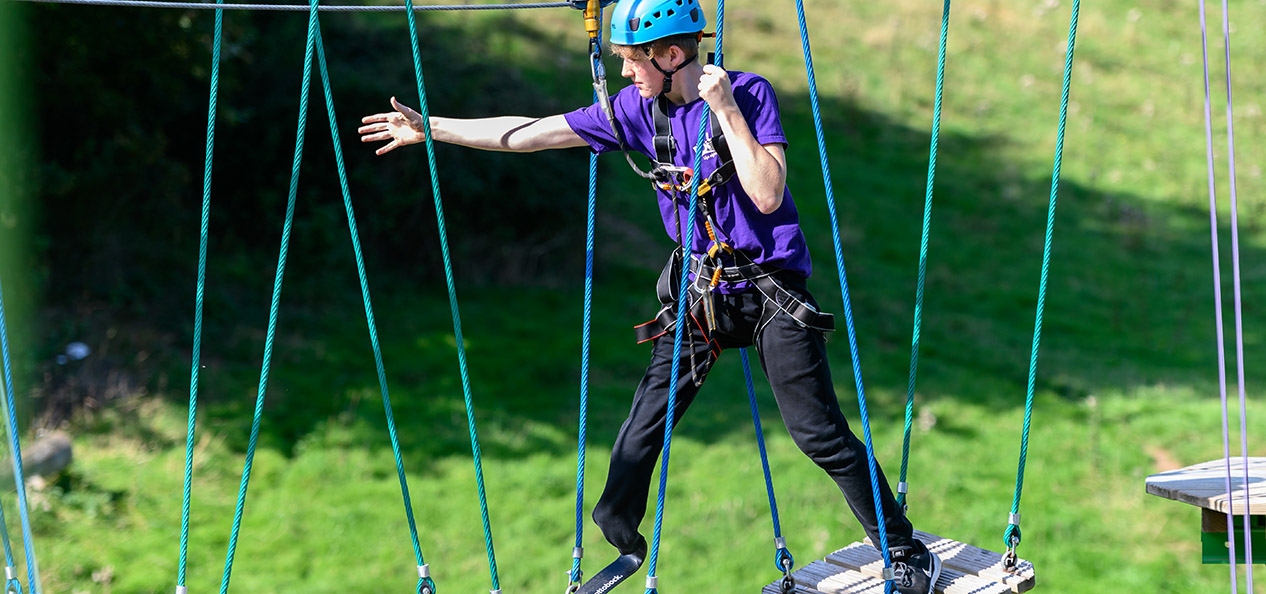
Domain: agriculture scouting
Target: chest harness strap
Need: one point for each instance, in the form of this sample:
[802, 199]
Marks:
[709, 266]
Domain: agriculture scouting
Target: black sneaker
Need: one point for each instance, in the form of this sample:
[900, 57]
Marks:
[917, 574]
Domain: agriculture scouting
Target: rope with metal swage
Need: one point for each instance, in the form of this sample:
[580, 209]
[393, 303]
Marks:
[848, 309]
[783, 560]
[902, 485]
[19, 481]
[593, 25]
[425, 112]
[1011, 537]
[425, 584]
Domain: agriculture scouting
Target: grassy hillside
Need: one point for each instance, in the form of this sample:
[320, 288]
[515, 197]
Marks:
[1126, 377]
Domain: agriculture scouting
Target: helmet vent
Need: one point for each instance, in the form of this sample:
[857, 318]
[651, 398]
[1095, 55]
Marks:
[634, 24]
[694, 14]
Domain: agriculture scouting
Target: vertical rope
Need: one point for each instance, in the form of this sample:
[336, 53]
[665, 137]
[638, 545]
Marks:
[11, 586]
[1012, 535]
[196, 364]
[425, 112]
[683, 317]
[843, 276]
[276, 298]
[1235, 276]
[19, 481]
[369, 309]
[923, 256]
[581, 434]
[1217, 293]
[781, 554]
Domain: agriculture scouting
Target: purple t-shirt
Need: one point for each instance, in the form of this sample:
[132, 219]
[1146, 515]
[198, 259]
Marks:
[772, 239]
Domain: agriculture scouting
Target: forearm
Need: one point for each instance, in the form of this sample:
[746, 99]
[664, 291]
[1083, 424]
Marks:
[762, 175]
[507, 133]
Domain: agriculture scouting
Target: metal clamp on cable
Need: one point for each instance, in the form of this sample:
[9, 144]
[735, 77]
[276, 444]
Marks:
[425, 584]
[9, 576]
[652, 582]
[786, 563]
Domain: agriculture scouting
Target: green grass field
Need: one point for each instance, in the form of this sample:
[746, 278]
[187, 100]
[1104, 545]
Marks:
[1127, 374]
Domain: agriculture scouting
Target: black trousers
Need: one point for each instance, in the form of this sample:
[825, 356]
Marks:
[793, 357]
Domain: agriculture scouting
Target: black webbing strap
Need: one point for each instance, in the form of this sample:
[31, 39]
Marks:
[666, 145]
[765, 278]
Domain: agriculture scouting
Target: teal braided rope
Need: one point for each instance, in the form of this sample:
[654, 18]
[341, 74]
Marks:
[364, 291]
[198, 301]
[1011, 538]
[425, 112]
[923, 254]
[581, 435]
[15, 450]
[843, 276]
[683, 297]
[276, 299]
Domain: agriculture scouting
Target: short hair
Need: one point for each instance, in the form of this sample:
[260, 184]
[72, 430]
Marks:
[688, 42]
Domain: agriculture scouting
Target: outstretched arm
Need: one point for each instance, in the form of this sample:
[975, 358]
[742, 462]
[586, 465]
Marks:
[508, 133]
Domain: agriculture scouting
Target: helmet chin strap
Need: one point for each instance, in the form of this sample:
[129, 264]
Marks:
[668, 74]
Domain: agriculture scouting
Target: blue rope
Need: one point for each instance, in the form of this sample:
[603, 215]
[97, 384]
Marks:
[198, 301]
[425, 112]
[923, 256]
[584, 364]
[15, 449]
[581, 435]
[1011, 538]
[12, 585]
[683, 300]
[781, 554]
[276, 299]
[369, 309]
[848, 309]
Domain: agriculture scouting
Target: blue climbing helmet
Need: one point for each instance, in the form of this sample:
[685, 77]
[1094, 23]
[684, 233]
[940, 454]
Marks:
[639, 22]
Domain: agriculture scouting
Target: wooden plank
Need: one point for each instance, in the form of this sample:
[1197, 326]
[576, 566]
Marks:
[972, 560]
[865, 559]
[1204, 485]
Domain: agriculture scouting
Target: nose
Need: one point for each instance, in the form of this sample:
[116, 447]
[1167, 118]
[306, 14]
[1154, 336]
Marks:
[625, 70]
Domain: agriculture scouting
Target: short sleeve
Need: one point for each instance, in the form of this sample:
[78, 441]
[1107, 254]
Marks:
[759, 104]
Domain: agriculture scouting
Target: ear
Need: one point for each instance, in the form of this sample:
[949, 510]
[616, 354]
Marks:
[676, 55]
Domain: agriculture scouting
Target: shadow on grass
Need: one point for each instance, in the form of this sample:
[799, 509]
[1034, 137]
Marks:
[1128, 302]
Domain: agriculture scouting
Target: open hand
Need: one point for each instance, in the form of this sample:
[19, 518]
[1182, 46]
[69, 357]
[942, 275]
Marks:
[402, 127]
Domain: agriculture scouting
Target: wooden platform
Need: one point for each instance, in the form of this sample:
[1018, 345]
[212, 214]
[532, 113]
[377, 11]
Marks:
[1204, 486]
[858, 569]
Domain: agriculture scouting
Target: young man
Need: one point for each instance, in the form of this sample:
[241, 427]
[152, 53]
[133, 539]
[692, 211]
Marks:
[748, 256]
